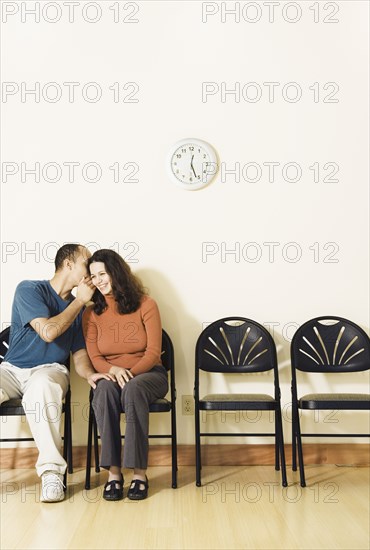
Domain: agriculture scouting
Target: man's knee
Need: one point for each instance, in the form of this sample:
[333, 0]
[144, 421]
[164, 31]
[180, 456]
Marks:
[44, 384]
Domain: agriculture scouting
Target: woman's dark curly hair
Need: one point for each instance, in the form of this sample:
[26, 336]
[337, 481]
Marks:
[127, 289]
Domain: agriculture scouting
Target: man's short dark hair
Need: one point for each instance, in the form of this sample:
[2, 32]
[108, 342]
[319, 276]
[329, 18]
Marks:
[66, 252]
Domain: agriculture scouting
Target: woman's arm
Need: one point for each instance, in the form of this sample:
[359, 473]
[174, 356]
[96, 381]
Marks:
[92, 334]
[153, 327]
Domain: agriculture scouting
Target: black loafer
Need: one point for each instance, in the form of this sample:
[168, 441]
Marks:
[113, 490]
[135, 493]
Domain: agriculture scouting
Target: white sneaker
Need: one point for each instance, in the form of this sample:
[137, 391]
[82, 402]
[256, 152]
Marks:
[52, 487]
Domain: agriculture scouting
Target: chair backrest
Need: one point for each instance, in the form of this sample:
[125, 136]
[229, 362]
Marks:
[330, 344]
[167, 354]
[168, 361]
[235, 344]
[4, 341]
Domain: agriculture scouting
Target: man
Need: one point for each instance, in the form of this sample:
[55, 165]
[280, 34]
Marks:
[45, 328]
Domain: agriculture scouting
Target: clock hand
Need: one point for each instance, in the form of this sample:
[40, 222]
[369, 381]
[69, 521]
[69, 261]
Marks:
[192, 167]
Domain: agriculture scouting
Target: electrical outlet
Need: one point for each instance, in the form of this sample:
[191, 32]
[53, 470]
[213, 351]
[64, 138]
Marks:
[187, 405]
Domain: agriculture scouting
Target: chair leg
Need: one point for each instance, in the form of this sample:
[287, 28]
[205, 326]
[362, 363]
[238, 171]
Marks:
[96, 442]
[197, 449]
[70, 448]
[294, 440]
[65, 447]
[174, 447]
[300, 451]
[67, 444]
[277, 443]
[89, 449]
[281, 447]
[65, 436]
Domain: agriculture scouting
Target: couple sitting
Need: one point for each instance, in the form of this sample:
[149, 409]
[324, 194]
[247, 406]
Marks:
[115, 345]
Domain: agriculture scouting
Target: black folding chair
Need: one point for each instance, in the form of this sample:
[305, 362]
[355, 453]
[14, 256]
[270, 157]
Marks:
[326, 345]
[13, 407]
[237, 345]
[159, 406]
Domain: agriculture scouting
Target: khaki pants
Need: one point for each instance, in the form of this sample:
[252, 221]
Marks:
[42, 390]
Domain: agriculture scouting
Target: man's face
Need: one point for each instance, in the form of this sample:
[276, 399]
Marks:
[80, 264]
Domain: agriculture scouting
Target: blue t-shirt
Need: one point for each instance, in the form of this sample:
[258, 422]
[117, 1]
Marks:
[35, 299]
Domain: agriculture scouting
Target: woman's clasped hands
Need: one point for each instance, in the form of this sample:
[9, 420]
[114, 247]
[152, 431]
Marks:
[122, 376]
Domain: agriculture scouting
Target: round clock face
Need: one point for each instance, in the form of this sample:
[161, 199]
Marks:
[192, 163]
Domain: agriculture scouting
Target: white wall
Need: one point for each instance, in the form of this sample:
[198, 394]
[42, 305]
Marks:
[169, 53]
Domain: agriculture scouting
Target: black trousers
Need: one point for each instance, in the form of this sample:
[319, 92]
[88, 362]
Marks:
[134, 398]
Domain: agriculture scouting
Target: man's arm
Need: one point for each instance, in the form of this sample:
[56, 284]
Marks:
[85, 369]
[50, 329]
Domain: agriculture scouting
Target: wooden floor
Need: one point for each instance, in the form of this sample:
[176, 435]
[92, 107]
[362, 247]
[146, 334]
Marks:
[237, 507]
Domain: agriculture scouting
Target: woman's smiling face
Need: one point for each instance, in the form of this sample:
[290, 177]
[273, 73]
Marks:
[100, 278]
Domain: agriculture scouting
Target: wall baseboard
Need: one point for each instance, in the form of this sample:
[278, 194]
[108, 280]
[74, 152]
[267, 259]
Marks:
[213, 455]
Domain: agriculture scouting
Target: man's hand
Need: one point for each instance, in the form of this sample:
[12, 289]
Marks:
[122, 376]
[85, 290]
[94, 377]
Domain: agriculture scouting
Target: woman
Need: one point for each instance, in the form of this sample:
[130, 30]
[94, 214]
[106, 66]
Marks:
[123, 335]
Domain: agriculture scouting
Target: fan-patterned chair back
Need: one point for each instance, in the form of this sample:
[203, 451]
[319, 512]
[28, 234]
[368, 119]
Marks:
[235, 344]
[4, 343]
[330, 344]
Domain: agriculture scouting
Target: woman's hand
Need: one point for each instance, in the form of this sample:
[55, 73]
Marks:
[122, 375]
[94, 377]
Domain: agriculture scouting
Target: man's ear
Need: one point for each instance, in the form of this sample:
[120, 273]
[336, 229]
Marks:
[68, 263]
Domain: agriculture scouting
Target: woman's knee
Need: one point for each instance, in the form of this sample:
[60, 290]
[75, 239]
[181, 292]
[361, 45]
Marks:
[105, 390]
[132, 389]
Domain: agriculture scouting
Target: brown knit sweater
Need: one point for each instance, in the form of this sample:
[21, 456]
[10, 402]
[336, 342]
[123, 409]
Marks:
[132, 340]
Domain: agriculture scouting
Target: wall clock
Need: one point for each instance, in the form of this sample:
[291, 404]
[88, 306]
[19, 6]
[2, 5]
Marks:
[192, 163]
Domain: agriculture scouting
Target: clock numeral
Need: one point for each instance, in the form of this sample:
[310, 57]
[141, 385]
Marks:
[178, 156]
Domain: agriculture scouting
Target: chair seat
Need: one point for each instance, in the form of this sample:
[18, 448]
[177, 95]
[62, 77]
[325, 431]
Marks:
[237, 401]
[340, 401]
[12, 407]
[160, 405]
